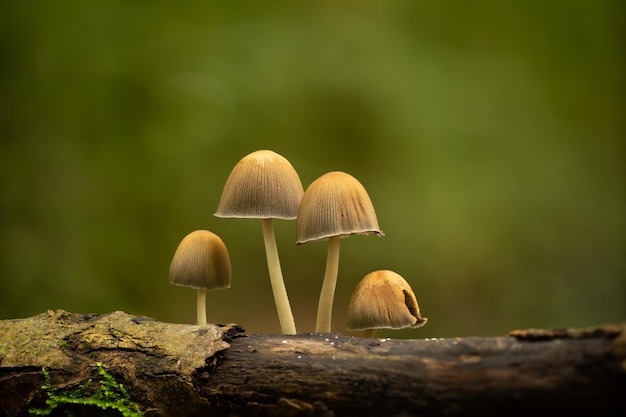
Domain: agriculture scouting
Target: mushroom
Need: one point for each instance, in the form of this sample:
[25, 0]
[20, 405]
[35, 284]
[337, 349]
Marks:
[383, 300]
[201, 261]
[335, 205]
[264, 185]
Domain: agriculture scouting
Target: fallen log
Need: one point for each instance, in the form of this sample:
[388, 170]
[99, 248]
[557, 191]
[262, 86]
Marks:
[220, 370]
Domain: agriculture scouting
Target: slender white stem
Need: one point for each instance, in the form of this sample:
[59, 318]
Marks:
[285, 316]
[201, 307]
[325, 306]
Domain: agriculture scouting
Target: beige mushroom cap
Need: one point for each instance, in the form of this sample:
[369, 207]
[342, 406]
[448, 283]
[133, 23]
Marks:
[335, 204]
[201, 261]
[262, 185]
[383, 300]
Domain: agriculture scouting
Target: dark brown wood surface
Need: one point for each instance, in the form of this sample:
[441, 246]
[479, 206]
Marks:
[185, 370]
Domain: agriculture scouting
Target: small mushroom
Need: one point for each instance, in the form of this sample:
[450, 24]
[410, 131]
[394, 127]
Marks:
[335, 205]
[264, 185]
[201, 261]
[383, 300]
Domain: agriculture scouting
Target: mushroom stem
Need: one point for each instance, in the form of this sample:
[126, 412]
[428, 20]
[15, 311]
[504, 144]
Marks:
[369, 333]
[201, 307]
[325, 306]
[285, 316]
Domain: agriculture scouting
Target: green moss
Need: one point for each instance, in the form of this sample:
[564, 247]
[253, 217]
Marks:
[108, 396]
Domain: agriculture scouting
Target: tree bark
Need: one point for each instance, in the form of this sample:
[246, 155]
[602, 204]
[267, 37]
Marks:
[219, 370]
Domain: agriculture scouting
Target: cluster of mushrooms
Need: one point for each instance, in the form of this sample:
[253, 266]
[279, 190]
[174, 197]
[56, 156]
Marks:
[264, 185]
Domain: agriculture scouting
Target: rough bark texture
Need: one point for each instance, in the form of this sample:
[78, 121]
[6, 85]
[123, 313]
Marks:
[176, 370]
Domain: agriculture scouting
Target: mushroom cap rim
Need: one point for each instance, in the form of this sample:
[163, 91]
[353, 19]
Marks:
[252, 216]
[421, 321]
[378, 233]
[196, 287]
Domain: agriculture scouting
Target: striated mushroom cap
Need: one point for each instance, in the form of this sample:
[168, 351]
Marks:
[201, 261]
[262, 185]
[335, 204]
[383, 300]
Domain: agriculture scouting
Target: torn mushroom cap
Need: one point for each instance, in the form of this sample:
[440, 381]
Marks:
[383, 300]
[201, 261]
[262, 185]
[335, 204]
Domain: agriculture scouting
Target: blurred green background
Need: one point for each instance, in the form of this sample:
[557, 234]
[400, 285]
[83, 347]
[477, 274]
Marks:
[489, 135]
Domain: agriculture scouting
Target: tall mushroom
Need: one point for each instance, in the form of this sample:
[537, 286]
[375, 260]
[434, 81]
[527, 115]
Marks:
[383, 300]
[335, 205]
[201, 261]
[264, 185]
